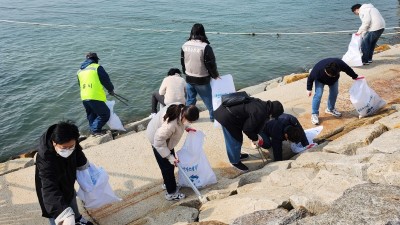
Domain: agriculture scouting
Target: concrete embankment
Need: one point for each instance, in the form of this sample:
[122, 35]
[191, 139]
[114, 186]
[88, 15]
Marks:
[357, 157]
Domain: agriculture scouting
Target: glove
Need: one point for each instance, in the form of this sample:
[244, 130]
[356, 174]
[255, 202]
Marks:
[70, 220]
[360, 77]
[310, 145]
[357, 34]
[308, 93]
[259, 142]
[111, 93]
[171, 158]
[188, 129]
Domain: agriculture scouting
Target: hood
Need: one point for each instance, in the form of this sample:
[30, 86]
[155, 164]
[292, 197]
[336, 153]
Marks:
[44, 142]
[86, 63]
[366, 6]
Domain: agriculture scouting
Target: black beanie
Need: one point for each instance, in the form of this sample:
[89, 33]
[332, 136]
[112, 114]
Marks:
[276, 109]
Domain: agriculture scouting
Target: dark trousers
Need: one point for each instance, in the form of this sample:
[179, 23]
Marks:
[167, 171]
[97, 114]
[368, 44]
[155, 99]
[267, 144]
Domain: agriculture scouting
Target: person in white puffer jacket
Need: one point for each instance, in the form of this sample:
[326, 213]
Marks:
[372, 27]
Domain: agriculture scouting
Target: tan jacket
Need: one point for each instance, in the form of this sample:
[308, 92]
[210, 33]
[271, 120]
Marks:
[162, 135]
[173, 88]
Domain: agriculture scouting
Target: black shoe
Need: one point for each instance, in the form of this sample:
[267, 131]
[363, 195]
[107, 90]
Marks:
[244, 156]
[240, 166]
[82, 221]
[99, 133]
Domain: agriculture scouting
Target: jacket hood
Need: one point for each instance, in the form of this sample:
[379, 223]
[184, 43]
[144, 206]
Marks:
[366, 6]
[86, 63]
[44, 142]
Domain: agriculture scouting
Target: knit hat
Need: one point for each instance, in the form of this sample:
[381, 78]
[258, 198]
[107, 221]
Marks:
[276, 109]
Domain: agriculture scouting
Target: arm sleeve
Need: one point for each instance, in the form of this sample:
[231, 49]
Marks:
[183, 61]
[81, 160]
[347, 69]
[209, 61]
[53, 199]
[365, 21]
[310, 80]
[163, 88]
[105, 79]
[252, 124]
[161, 137]
[295, 122]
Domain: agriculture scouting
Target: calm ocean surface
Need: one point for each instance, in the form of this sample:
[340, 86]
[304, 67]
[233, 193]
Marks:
[43, 43]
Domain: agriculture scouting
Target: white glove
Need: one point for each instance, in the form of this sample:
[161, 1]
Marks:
[70, 220]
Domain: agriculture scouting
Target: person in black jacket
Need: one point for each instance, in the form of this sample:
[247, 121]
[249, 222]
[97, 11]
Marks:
[248, 118]
[285, 127]
[327, 72]
[59, 156]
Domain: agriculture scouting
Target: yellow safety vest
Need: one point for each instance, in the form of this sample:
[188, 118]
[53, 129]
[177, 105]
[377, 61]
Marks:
[91, 87]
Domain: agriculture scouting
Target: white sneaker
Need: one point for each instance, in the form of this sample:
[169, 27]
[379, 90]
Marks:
[178, 187]
[333, 112]
[314, 119]
[175, 196]
[152, 115]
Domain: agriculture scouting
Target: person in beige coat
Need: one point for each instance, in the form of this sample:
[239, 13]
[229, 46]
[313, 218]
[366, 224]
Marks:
[172, 89]
[164, 132]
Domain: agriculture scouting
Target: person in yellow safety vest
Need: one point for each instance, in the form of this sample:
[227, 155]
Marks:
[92, 78]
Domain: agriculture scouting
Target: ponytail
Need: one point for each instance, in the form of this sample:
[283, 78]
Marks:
[190, 113]
[173, 112]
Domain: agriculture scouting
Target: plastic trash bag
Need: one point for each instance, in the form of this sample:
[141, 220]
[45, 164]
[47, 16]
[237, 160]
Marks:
[94, 188]
[353, 54]
[364, 99]
[221, 87]
[114, 122]
[310, 134]
[194, 162]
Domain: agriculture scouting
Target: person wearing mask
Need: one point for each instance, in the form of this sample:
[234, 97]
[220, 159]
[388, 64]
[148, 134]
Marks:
[59, 157]
[327, 72]
[92, 78]
[199, 65]
[371, 29]
[248, 118]
[284, 128]
[164, 132]
[172, 89]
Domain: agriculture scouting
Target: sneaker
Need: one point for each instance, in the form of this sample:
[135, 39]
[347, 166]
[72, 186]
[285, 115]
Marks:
[152, 115]
[369, 61]
[178, 187]
[240, 166]
[82, 221]
[314, 119]
[333, 112]
[175, 196]
[100, 133]
[244, 156]
[365, 63]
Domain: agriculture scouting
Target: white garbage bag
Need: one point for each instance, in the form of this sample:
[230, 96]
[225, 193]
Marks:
[364, 99]
[194, 162]
[94, 189]
[114, 122]
[310, 134]
[353, 54]
[220, 87]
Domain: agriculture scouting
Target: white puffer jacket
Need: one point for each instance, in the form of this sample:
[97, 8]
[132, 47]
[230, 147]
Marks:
[173, 88]
[371, 19]
[162, 135]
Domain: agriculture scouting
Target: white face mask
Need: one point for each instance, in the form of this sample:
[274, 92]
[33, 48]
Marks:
[65, 152]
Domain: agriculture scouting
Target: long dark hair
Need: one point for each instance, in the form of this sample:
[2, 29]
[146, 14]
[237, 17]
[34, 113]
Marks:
[198, 33]
[191, 112]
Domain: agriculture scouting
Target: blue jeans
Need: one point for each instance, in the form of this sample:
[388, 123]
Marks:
[97, 114]
[233, 146]
[319, 90]
[205, 94]
[368, 44]
[74, 207]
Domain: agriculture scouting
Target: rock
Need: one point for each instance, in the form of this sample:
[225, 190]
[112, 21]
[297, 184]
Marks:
[262, 217]
[388, 143]
[138, 125]
[294, 77]
[14, 165]
[391, 122]
[395, 107]
[360, 137]
[381, 48]
[255, 176]
[174, 215]
[252, 90]
[211, 222]
[385, 169]
[362, 204]
[93, 141]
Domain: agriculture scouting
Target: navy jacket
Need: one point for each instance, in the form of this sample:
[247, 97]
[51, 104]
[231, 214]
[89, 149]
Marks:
[103, 75]
[275, 129]
[318, 72]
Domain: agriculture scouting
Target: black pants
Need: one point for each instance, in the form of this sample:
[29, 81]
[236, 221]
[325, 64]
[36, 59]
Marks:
[167, 171]
[155, 99]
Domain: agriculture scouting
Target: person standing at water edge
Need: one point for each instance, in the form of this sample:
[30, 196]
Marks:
[172, 89]
[58, 158]
[198, 63]
[326, 72]
[372, 27]
[164, 132]
[92, 78]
